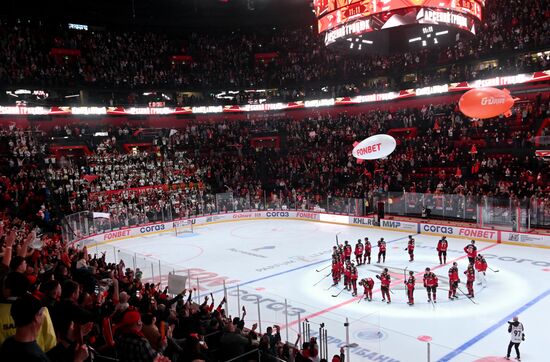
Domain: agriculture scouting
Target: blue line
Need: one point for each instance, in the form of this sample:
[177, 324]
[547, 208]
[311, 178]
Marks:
[492, 328]
[294, 269]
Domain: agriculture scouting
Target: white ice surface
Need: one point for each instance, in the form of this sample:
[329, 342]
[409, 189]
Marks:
[284, 267]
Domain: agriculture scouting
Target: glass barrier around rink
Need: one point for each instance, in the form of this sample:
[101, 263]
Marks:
[151, 269]
[296, 317]
[504, 214]
[368, 331]
[443, 206]
[539, 215]
[345, 205]
[500, 213]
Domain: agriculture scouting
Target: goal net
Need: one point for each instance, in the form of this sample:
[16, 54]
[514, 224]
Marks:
[182, 227]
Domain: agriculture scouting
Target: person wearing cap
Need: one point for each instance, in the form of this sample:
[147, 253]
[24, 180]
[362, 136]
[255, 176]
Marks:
[16, 285]
[28, 315]
[517, 335]
[131, 344]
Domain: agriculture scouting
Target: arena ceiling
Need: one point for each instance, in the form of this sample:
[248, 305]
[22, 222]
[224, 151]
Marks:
[171, 13]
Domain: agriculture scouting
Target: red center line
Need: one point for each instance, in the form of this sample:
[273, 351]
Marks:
[329, 309]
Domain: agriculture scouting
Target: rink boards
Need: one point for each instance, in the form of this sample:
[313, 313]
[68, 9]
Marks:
[498, 236]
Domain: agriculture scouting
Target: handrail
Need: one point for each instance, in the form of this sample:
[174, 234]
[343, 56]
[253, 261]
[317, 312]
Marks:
[244, 354]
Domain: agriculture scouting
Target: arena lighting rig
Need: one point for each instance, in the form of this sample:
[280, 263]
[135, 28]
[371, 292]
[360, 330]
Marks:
[391, 26]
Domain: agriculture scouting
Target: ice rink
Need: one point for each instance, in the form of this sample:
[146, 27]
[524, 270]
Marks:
[274, 260]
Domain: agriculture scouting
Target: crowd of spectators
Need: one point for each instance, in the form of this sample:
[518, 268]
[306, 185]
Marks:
[62, 304]
[179, 174]
[81, 304]
[116, 59]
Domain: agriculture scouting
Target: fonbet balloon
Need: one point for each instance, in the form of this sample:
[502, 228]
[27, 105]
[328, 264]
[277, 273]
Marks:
[374, 147]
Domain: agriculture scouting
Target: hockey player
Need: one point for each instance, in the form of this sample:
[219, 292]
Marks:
[453, 281]
[334, 251]
[385, 282]
[410, 248]
[342, 258]
[480, 266]
[410, 283]
[368, 248]
[471, 251]
[442, 246]
[381, 250]
[470, 279]
[347, 276]
[336, 270]
[517, 335]
[359, 252]
[347, 251]
[354, 277]
[431, 284]
[341, 254]
[368, 285]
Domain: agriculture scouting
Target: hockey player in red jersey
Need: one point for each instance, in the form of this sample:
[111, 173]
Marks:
[336, 271]
[368, 285]
[481, 267]
[354, 277]
[347, 251]
[410, 283]
[347, 276]
[381, 250]
[410, 248]
[470, 279]
[471, 251]
[359, 252]
[385, 282]
[453, 281]
[442, 246]
[431, 284]
[368, 248]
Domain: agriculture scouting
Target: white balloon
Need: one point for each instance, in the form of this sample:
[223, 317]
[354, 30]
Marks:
[374, 147]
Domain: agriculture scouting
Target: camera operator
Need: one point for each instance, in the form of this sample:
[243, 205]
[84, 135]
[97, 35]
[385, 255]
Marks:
[515, 328]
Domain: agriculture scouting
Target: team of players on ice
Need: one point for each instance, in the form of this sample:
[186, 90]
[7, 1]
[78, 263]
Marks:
[342, 265]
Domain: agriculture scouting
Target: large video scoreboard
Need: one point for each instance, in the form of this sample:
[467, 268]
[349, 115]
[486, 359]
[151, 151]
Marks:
[338, 19]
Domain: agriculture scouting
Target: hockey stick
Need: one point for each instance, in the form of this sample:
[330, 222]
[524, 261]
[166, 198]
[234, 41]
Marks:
[493, 270]
[333, 285]
[326, 276]
[337, 239]
[466, 295]
[340, 292]
[320, 270]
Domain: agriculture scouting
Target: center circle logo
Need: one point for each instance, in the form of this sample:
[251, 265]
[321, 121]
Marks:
[371, 334]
